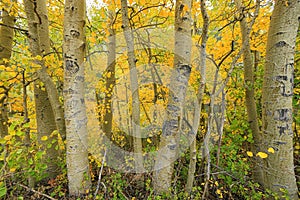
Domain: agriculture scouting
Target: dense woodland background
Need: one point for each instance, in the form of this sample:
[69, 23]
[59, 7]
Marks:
[149, 99]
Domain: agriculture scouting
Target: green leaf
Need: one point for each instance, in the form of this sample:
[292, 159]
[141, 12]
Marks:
[2, 141]
[3, 190]
[39, 154]
[20, 133]
[30, 161]
[19, 151]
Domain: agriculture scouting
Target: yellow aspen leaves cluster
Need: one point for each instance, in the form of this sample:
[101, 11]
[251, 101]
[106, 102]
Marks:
[261, 154]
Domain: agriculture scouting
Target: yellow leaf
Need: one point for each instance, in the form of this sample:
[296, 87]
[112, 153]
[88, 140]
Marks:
[92, 39]
[38, 57]
[2, 67]
[7, 137]
[218, 191]
[249, 153]
[108, 75]
[12, 169]
[149, 141]
[286, 3]
[271, 150]
[5, 60]
[93, 34]
[262, 154]
[44, 138]
[216, 183]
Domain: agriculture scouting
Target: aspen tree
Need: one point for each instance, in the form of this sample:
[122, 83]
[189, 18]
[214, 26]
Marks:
[168, 147]
[74, 103]
[200, 93]
[6, 42]
[277, 94]
[134, 86]
[39, 43]
[249, 79]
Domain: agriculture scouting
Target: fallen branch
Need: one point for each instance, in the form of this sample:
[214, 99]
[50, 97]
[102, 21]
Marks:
[37, 192]
[100, 176]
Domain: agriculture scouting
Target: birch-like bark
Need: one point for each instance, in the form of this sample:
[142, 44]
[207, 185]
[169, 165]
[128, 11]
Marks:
[6, 42]
[75, 111]
[198, 105]
[134, 86]
[249, 83]
[277, 94]
[40, 45]
[168, 147]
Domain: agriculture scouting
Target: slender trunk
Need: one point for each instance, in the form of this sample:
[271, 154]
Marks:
[110, 80]
[168, 147]
[277, 97]
[40, 45]
[35, 50]
[249, 85]
[44, 43]
[75, 111]
[200, 93]
[47, 117]
[134, 86]
[27, 138]
[6, 42]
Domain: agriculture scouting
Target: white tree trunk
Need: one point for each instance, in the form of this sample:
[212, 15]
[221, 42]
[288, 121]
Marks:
[277, 98]
[168, 147]
[75, 112]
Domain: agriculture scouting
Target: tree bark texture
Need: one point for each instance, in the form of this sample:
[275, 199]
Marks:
[277, 97]
[44, 43]
[74, 103]
[39, 45]
[168, 147]
[6, 42]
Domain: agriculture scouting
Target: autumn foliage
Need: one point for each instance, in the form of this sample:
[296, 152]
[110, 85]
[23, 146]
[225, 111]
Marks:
[225, 158]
